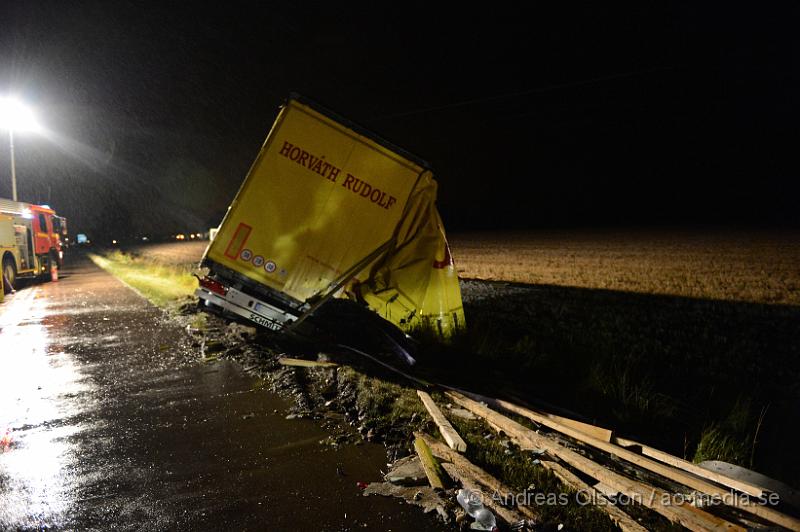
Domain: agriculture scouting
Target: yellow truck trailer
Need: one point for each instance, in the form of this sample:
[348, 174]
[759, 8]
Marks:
[331, 210]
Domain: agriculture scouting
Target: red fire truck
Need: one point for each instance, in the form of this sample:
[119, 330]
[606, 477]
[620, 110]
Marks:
[31, 240]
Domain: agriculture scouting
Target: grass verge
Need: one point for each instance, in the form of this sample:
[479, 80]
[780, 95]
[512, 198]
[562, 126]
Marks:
[162, 284]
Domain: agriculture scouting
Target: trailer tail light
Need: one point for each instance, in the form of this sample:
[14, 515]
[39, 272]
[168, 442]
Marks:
[213, 286]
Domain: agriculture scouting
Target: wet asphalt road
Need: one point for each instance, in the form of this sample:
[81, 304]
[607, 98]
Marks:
[112, 424]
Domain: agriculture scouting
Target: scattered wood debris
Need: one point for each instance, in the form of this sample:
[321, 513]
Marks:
[677, 475]
[299, 362]
[622, 520]
[445, 428]
[434, 472]
[695, 469]
[659, 500]
[655, 498]
[476, 479]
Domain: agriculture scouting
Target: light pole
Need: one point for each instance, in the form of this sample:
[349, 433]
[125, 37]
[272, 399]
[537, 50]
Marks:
[13, 166]
[15, 116]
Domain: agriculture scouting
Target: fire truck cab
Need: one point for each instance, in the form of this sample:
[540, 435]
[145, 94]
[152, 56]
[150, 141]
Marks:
[31, 240]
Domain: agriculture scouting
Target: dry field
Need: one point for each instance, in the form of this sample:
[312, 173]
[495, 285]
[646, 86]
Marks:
[748, 267]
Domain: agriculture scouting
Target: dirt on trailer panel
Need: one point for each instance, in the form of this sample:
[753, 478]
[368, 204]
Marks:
[109, 421]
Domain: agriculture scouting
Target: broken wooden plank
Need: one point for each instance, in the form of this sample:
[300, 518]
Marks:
[622, 520]
[568, 478]
[695, 469]
[302, 363]
[608, 491]
[590, 430]
[677, 475]
[429, 464]
[445, 428]
[468, 473]
[601, 433]
[650, 496]
[607, 436]
[594, 431]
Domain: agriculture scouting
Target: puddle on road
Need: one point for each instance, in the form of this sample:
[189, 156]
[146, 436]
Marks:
[133, 437]
[283, 475]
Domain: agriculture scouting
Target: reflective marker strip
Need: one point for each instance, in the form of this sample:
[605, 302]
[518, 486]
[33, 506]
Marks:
[238, 240]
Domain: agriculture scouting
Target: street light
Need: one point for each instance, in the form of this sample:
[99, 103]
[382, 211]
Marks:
[15, 116]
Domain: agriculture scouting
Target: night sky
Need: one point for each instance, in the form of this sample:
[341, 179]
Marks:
[555, 116]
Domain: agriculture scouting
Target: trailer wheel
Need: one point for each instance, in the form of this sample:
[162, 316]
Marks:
[9, 274]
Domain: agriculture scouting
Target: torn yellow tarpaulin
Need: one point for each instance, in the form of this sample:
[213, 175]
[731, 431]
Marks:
[415, 284]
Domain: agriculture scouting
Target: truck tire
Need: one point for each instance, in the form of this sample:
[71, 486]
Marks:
[9, 274]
